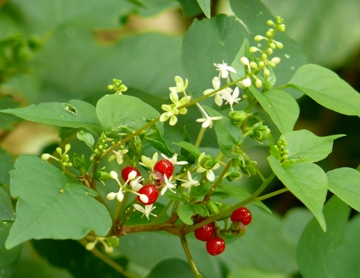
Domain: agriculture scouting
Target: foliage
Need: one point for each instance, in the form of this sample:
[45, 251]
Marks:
[238, 81]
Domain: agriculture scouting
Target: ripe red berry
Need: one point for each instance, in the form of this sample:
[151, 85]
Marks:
[127, 170]
[164, 167]
[205, 232]
[242, 215]
[215, 246]
[151, 192]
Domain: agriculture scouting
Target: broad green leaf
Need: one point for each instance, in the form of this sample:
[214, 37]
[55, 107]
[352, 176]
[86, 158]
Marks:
[345, 183]
[74, 114]
[282, 108]
[157, 140]
[327, 89]
[228, 190]
[334, 253]
[253, 273]
[294, 223]
[304, 145]
[87, 138]
[205, 6]
[119, 112]
[189, 147]
[51, 206]
[7, 257]
[307, 182]
[186, 211]
[228, 135]
[72, 256]
[6, 165]
[171, 268]
[190, 7]
[254, 15]
[330, 39]
[7, 121]
[207, 42]
[6, 209]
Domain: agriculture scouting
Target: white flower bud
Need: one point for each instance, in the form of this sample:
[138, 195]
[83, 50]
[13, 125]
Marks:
[253, 49]
[258, 83]
[111, 196]
[253, 65]
[244, 60]
[246, 82]
[45, 156]
[144, 198]
[113, 175]
[275, 60]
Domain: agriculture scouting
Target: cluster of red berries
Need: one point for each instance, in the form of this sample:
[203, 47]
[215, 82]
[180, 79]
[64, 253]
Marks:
[215, 245]
[163, 167]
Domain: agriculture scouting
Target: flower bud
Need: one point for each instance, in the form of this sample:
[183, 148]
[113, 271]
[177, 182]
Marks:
[248, 168]
[269, 51]
[275, 60]
[102, 176]
[244, 60]
[246, 82]
[238, 117]
[266, 72]
[282, 27]
[253, 49]
[258, 83]
[45, 156]
[212, 208]
[233, 174]
[258, 38]
[260, 132]
[253, 65]
[279, 45]
[270, 22]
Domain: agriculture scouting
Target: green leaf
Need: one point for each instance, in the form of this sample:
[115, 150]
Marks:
[228, 135]
[157, 140]
[282, 108]
[253, 273]
[6, 209]
[228, 190]
[7, 257]
[254, 15]
[307, 182]
[331, 254]
[75, 114]
[344, 183]
[189, 147]
[7, 121]
[6, 165]
[330, 39]
[171, 268]
[208, 42]
[185, 213]
[304, 145]
[117, 112]
[327, 89]
[51, 206]
[190, 7]
[87, 138]
[205, 6]
[72, 256]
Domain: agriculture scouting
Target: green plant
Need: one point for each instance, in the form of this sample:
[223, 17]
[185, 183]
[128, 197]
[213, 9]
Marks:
[106, 173]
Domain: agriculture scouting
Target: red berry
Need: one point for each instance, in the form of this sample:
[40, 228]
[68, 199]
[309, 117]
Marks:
[127, 170]
[242, 215]
[205, 232]
[151, 192]
[164, 167]
[215, 246]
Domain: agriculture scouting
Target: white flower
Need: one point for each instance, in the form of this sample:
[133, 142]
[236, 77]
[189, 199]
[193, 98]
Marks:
[149, 162]
[118, 155]
[146, 210]
[168, 185]
[224, 69]
[207, 121]
[172, 110]
[209, 172]
[246, 82]
[180, 85]
[232, 98]
[135, 184]
[189, 182]
[216, 84]
[173, 159]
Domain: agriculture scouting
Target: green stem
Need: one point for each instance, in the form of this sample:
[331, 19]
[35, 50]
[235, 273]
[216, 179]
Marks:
[272, 194]
[109, 261]
[200, 137]
[217, 182]
[232, 208]
[189, 257]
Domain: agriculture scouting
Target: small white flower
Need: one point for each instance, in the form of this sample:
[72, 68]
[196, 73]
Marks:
[146, 210]
[118, 155]
[207, 121]
[135, 184]
[208, 172]
[173, 159]
[233, 98]
[149, 162]
[224, 69]
[216, 84]
[169, 184]
[246, 82]
[189, 182]
[180, 85]
[172, 110]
